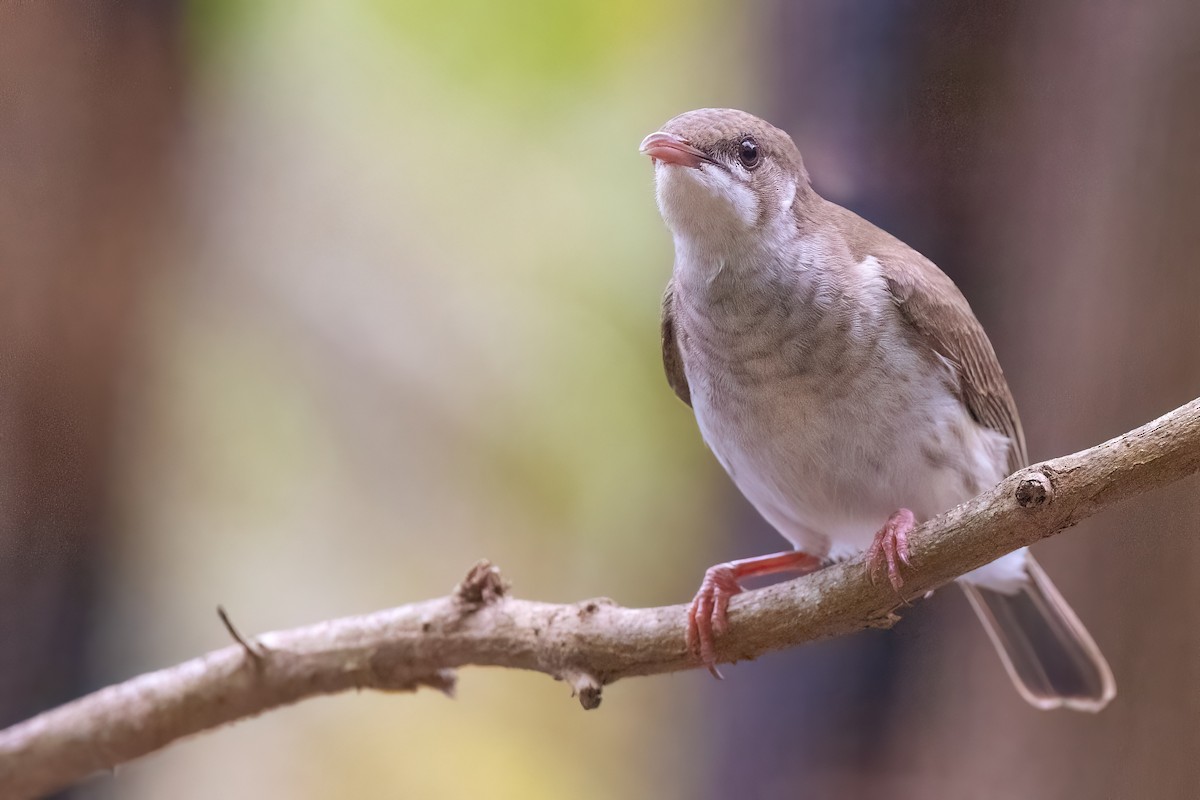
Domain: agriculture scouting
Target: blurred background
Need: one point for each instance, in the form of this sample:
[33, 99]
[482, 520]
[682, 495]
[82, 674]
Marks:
[305, 306]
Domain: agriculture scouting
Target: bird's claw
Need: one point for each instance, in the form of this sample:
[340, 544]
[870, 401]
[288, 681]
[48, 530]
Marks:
[890, 549]
[708, 614]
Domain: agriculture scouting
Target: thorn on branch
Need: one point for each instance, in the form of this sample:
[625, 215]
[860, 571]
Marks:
[1034, 490]
[482, 586]
[256, 651]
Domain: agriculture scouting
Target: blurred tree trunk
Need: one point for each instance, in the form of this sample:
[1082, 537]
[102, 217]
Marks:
[87, 103]
[1046, 156]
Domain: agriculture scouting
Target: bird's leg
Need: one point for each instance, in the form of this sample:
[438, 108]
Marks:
[708, 616]
[890, 548]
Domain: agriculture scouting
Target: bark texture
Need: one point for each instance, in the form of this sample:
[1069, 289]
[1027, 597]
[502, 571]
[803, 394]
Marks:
[588, 644]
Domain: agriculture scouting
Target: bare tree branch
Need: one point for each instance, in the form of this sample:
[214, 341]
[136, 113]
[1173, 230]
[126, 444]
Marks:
[589, 644]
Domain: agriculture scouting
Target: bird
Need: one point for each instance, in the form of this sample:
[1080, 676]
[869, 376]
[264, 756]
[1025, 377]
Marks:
[845, 385]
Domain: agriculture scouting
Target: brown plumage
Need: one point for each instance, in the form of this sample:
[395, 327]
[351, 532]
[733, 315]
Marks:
[840, 377]
[672, 358]
[938, 315]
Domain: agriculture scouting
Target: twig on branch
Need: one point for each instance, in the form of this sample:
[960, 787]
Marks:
[237, 636]
[589, 644]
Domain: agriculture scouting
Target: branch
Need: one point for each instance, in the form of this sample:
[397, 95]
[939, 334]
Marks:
[589, 644]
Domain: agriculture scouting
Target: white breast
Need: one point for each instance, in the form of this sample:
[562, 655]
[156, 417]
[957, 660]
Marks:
[830, 423]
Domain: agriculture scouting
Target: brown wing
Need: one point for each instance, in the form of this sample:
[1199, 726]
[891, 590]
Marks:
[672, 358]
[936, 309]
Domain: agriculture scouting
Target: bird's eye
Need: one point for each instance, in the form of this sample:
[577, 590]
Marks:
[748, 153]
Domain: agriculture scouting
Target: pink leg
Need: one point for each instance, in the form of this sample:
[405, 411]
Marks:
[890, 548]
[708, 614]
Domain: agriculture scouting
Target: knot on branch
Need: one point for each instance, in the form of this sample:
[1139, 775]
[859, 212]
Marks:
[883, 621]
[444, 680]
[1034, 490]
[390, 669]
[588, 608]
[586, 687]
[482, 586]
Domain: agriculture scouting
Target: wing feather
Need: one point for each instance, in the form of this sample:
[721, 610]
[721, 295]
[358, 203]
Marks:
[671, 355]
[930, 302]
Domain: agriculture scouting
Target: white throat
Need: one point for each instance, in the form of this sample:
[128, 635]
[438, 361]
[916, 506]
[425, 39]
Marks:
[706, 202]
[719, 225]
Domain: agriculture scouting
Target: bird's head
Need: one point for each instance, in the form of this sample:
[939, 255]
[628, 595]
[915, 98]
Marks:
[723, 173]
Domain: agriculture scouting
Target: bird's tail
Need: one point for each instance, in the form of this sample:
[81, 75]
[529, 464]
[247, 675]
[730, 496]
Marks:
[1047, 652]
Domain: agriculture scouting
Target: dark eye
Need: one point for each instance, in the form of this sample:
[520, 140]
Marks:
[748, 153]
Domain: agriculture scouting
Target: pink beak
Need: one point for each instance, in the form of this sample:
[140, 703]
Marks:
[670, 149]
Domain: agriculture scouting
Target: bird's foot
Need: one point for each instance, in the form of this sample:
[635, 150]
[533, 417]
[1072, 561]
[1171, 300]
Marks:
[708, 615]
[890, 548]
